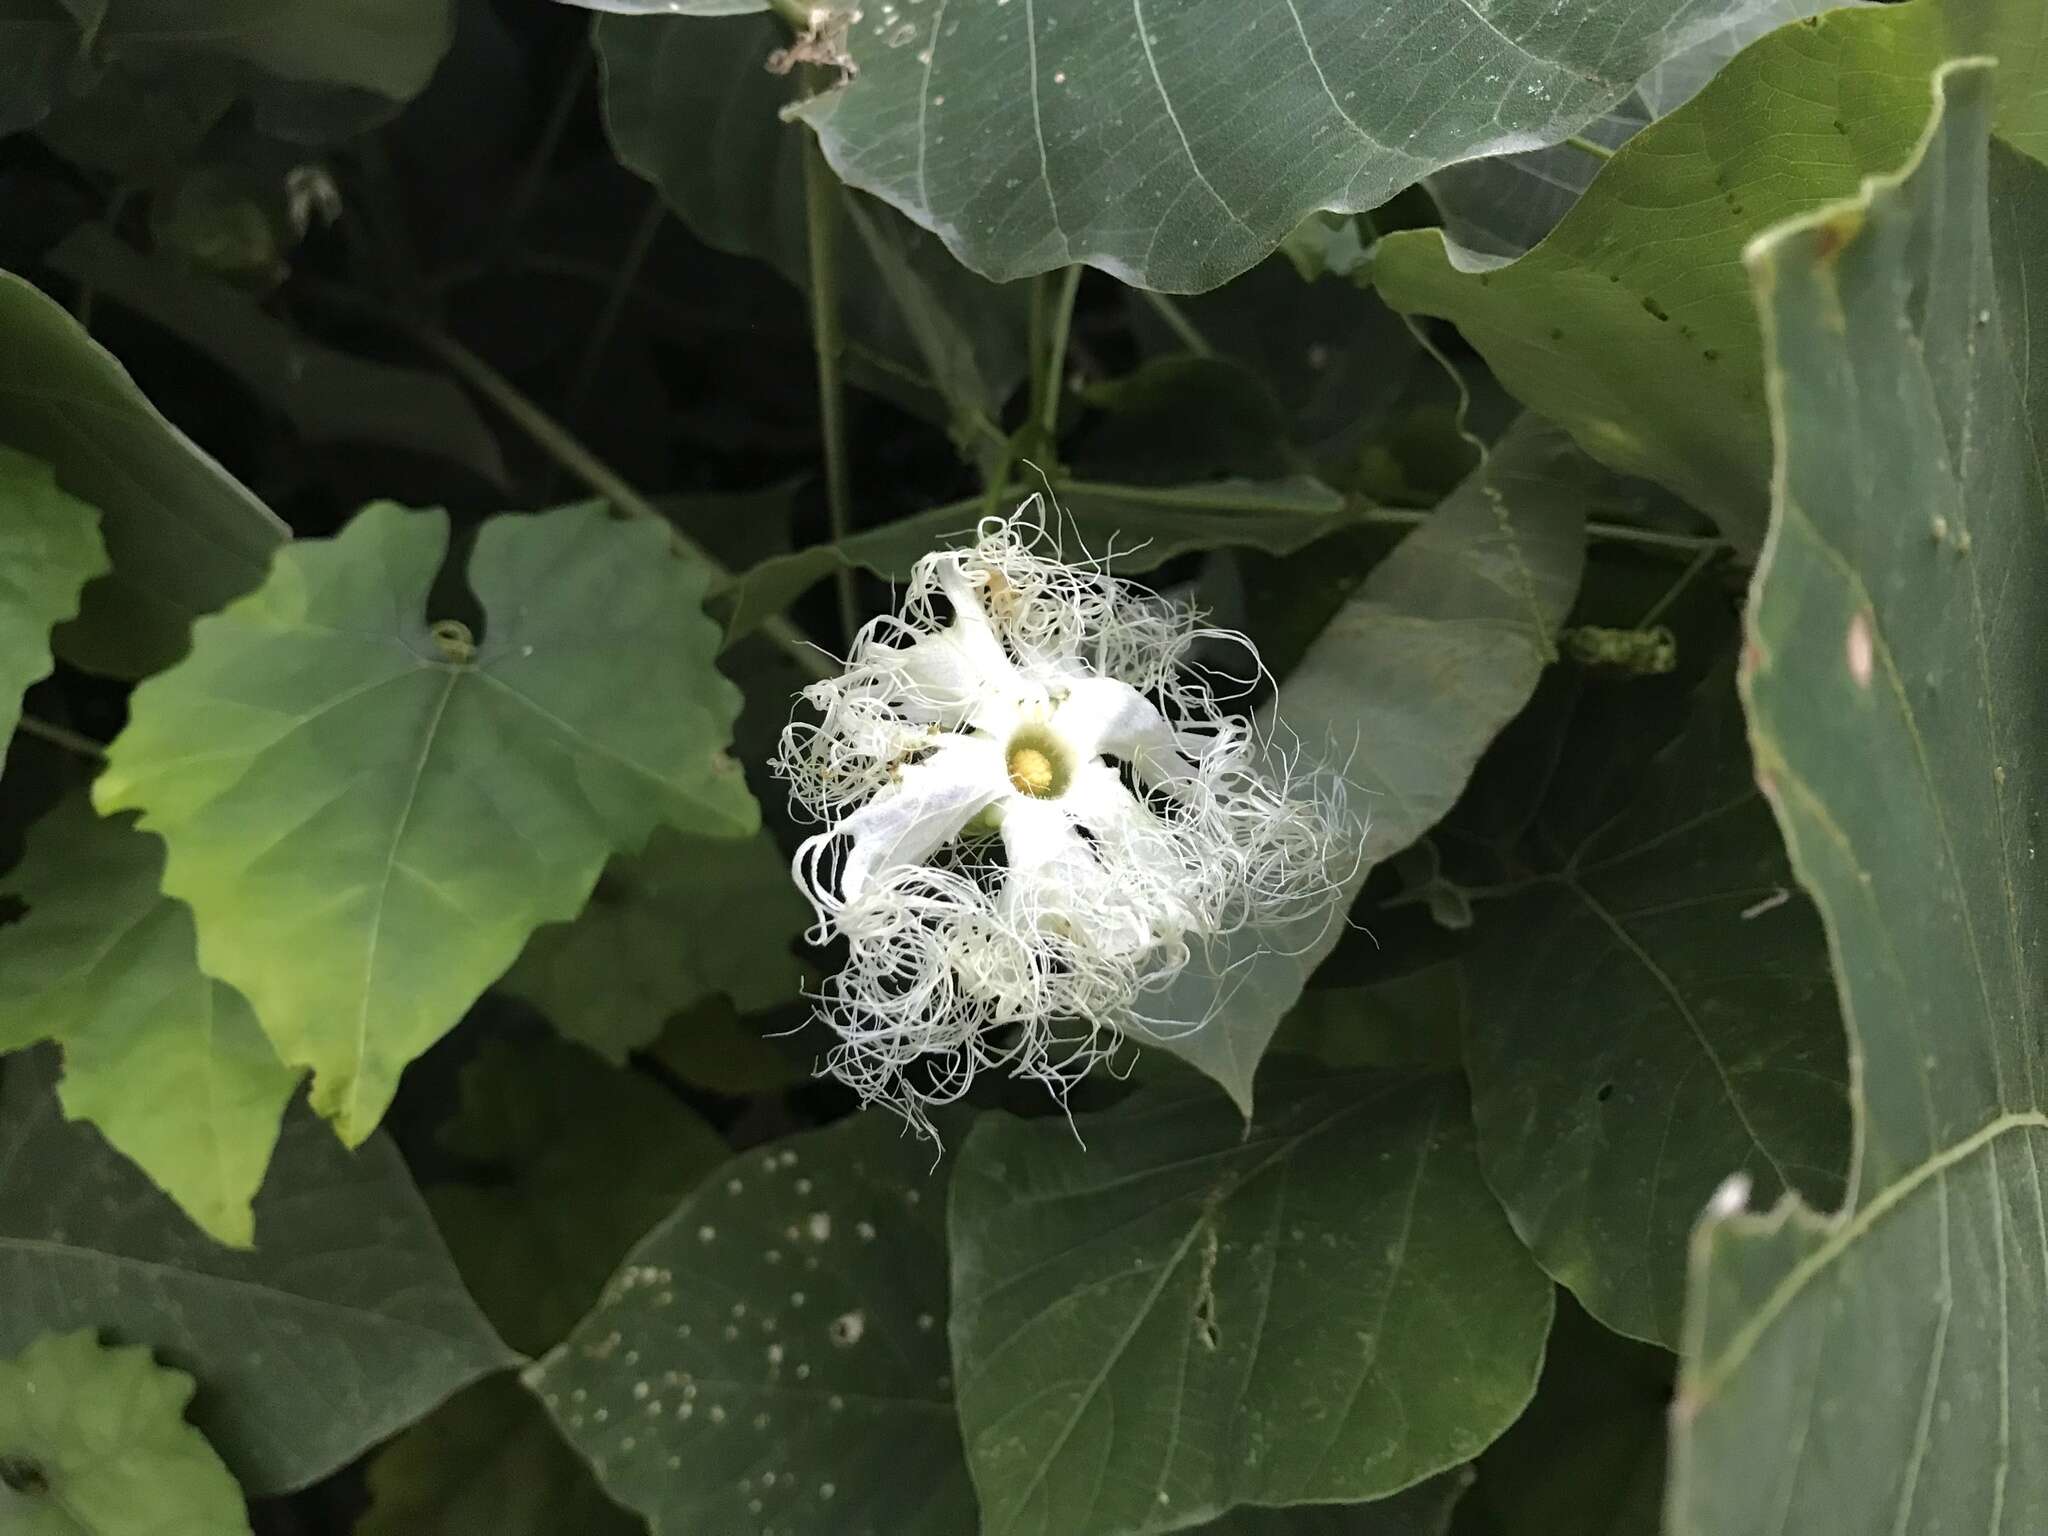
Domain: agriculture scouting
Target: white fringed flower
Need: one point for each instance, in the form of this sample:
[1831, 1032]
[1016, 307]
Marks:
[1036, 816]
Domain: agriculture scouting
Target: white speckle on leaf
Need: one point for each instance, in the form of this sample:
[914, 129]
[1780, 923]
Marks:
[1731, 1197]
[848, 1327]
[1861, 649]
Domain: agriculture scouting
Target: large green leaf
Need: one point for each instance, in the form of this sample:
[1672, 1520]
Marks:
[1587, 1459]
[1424, 1510]
[346, 1323]
[49, 548]
[369, 815]
[1343, 366]
[1413, 1019]
[1632, 323]
[1881, 1369]
[689, 918]
[38, 41]
[303, 59]
[137, 83]
[166, 1061]
[93, 1442]
[579, 1159]
[1498, 208]
[1174, 146]
[184, 536]
[920, 328]
[488, 1462]
[1159, 1314]
[328, 396]
[1653, 1012]
[1437, 650]
[674, 7]
[774, 1354]
[712, 1046]
[1145, 526]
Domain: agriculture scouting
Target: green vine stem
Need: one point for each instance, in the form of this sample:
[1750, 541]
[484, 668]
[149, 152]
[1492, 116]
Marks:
[616, 297]
[59, 735]
[821, 219]
[1230, 499]
[1049, 366]
[561, 445]
[1178, 322]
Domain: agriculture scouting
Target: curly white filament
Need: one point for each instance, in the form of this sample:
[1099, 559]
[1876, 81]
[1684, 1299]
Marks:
[1036, 813]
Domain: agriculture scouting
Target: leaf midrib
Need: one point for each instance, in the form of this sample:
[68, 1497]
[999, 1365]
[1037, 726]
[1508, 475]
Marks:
[1842, 1236]
[174, 1274]
[1220, 1192]
[375, 925]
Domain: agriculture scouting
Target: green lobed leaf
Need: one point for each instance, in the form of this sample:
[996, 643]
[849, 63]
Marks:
[581, 1159]
[1880, 1368]
[183, 535]
[1144, 526]
[49, 548]
[167, 1062]
[1631, 323]
[344, 1324]
[1437, 650]
[328, 396]
[774, 1354]
[1175, 146]
[93, 1442]
[488, 1462]
[690, 918]
[919, 327]
[369, 815]
[1651, 1013]
[1159, 1313]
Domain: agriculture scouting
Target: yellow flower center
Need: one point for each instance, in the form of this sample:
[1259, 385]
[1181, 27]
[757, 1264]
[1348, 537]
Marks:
[1038, 761]
[1031, 772]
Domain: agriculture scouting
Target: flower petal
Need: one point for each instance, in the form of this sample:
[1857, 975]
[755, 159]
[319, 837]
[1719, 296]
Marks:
[961, 675]
[1101, 715]
[1145, 857]
[908, 822]
[1113, 899]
